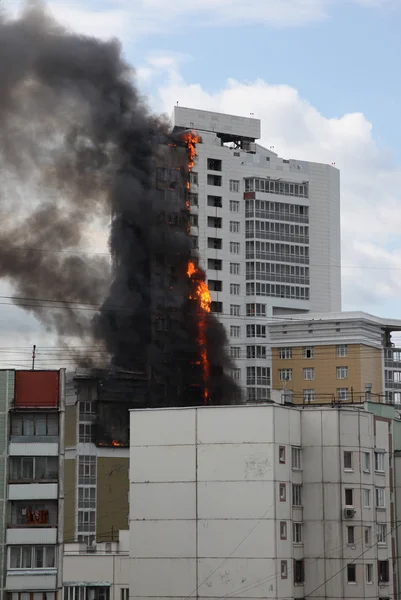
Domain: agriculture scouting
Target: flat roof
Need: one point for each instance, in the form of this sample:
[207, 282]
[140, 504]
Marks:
[384, 323]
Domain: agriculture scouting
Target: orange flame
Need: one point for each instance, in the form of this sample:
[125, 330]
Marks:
[200, 292]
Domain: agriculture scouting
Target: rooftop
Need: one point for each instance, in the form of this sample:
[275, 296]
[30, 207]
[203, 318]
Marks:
[383, 323]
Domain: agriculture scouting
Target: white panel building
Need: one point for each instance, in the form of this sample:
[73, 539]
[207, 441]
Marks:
[268, 234]
[262, 501]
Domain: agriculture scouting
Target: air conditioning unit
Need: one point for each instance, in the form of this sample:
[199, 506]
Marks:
[349, 513]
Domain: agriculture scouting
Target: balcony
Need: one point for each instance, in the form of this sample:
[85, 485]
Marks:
[31, 579]
[33, 491]
[32, 535]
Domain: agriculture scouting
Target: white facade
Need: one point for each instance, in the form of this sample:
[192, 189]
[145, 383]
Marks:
[261, 501]
[101, 575]
[265, 253]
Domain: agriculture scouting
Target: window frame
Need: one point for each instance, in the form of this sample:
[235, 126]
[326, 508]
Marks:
[366, 463]
[351, 492]
[342, 372]
[296, 458]
[309, 371]
[282, 492]
[348, 454]
[379, 462]
[380, 494]
[281, 455]
[297, 495]
[283, 530]
[351, 568]
[297, 532]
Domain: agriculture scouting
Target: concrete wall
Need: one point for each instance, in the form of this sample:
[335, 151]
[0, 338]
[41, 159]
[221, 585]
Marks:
[216, 531]
[112, 498]
[70, 484]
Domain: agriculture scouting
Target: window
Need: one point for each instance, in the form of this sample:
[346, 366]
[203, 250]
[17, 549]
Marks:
[256, 310]
[32, 557]
[234, 227]
[308, 352]
[213, 164]
[34, 424]
[296, 494]
[380, 498]
[34, 514]
[87, 497]
[214, 180]
[309, 396]
[350, 534]
[284, 571]
[281, 454]
[379, 462]
[88, 592]
[194, 241]
[349, 497]
[256, 331]
[86, 433]
[342, 372]
[215, 285]
[235, 351]
[285, 374]
[216, 307]
[87, 410]
[297, 533]
[214, 243]
[384, 571]
[295, 458]
[382, 533]
[216, 222]
[124, 594]
[342, 350]
[234, 247]
[299, 571]
[351, 573]
[215, 201]
[282, 492]
[235, 289]
[283, 530]
[215, 264]
[234, 185]
[256, 352]
[366, 462]
[193, 199]
[367, 534]
[193, 220]
[87, 470]
[235, 310]
[193, 178]
[33, 468]
[234, 268]
[342, 394]
[369, 573]
[347, 460]
[285, 353]
[366, 498]
[236, 374]
[309, 374]
[234, 205]
[235, 331]
[86, 521]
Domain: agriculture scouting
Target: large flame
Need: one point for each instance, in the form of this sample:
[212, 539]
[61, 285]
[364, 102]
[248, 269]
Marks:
[199, 290]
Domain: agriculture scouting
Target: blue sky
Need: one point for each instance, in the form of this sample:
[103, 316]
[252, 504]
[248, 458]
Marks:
[322, 75]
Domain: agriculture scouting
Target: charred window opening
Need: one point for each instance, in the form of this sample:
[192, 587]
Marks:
[213, 164]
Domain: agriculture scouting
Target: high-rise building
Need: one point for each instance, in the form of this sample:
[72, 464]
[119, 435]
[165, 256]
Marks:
[268, 234]
[348, 356]
[31, 483]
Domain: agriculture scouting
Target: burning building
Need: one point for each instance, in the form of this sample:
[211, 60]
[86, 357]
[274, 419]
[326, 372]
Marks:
[93, 149]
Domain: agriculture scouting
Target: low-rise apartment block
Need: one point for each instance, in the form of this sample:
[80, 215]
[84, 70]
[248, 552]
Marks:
[336, 357]
[267, 501]
[31, 483]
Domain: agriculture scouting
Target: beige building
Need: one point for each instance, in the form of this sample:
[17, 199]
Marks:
[96, 457]
[338, 356]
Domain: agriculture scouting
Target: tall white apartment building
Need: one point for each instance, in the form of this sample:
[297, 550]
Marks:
[264, 501]
[268, 234]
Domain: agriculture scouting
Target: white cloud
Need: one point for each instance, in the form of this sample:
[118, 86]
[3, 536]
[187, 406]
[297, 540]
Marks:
[371, 183]
[127, 18]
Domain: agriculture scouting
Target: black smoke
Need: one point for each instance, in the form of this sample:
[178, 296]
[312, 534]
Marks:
[79, 146]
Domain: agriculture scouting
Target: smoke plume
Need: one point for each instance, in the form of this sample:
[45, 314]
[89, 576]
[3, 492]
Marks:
[78, 146]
